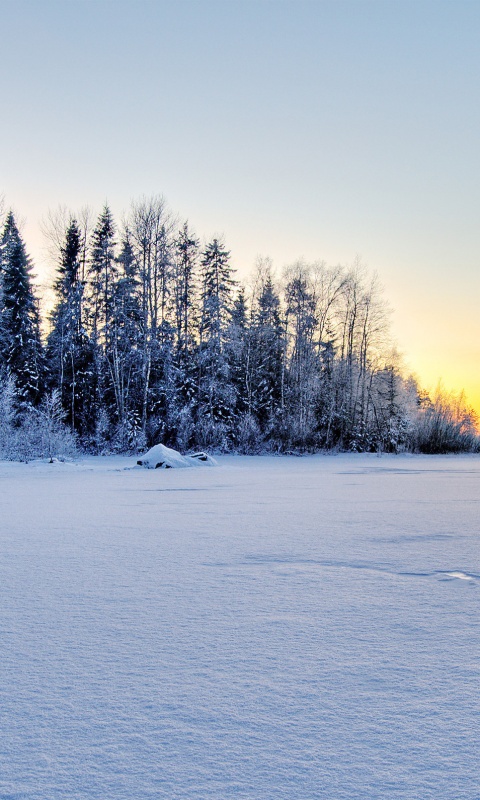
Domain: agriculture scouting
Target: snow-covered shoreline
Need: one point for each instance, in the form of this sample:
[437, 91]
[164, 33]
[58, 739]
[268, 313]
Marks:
[126, 460]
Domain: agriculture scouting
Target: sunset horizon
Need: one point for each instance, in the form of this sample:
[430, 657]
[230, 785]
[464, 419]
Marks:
[315, 130]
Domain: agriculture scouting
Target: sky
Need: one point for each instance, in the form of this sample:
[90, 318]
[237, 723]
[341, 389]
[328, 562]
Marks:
[322, 130]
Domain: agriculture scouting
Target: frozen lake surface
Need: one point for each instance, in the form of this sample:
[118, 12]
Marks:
[291, 628]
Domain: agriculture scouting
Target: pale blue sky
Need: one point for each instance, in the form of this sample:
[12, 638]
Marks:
[315, 129]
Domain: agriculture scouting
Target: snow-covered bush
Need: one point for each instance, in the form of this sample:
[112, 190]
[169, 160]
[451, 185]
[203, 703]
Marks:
[249, 435]
[33, 432]
[128, 436]
[185, 429]
[55, 439]
[102, 444]
[445, 424]
[7, 414]
[212, 435]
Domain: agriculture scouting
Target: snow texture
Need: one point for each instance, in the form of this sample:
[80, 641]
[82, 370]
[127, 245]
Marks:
[288, 628]
[161, 457]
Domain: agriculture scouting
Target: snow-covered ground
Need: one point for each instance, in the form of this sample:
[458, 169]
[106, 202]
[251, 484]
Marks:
[291, 628]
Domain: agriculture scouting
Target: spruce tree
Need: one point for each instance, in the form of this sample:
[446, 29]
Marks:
[267, 363]
[69, 349]
[182, 388]
[217, 289]
[21, 351]
[102, 273]
[123, 360]
[303, 367]
[186, 257]
[216, 390]
[239, 351]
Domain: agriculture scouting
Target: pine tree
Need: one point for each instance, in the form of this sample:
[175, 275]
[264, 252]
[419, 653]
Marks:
[21, 351]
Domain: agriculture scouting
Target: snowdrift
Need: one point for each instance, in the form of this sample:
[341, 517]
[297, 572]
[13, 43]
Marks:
[161, 457]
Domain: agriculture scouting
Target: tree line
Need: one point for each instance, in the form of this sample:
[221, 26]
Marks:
[152, 339]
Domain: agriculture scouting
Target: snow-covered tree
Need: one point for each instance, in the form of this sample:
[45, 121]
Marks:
[216, 390]
[152, 341]
[303, 363]
[102, 273]
[185, 267]
[123, 347]
[70, 351]
[266, 374]
[151, 229]
[445, 423]
[21, 349]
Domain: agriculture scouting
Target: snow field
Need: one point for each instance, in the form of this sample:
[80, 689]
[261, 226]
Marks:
[293, 628]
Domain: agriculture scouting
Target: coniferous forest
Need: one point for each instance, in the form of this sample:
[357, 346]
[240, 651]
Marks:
[151, 338]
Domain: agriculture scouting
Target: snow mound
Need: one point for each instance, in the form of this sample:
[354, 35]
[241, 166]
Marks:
[462, 576]
[161, 457]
